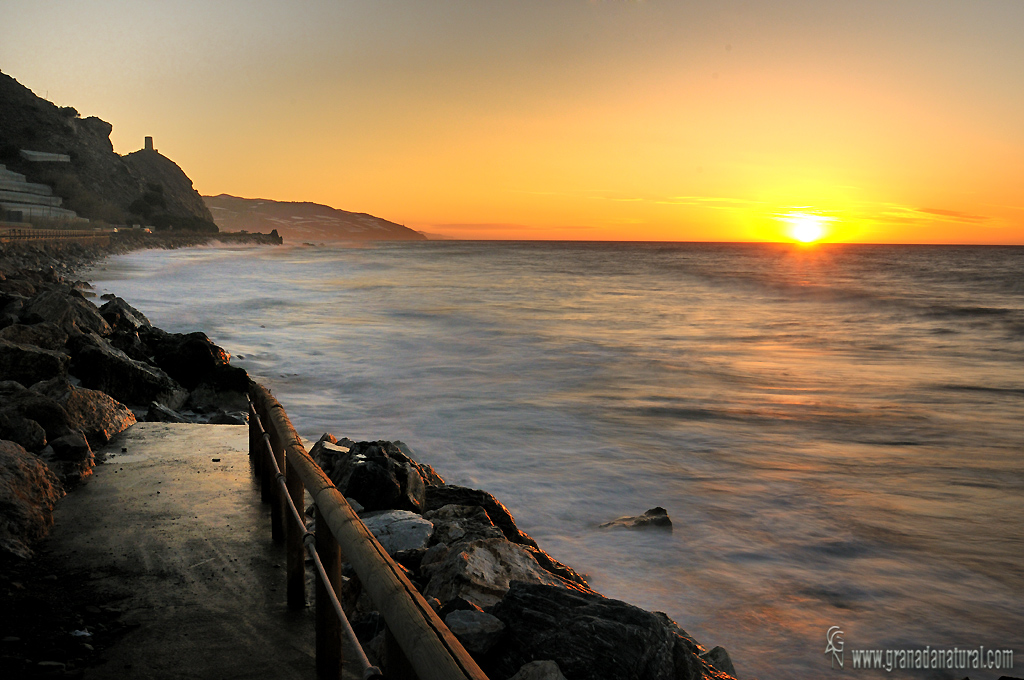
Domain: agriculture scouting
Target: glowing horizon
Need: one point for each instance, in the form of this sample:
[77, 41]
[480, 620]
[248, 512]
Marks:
[567, 119]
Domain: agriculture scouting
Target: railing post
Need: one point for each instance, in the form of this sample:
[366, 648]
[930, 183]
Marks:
[328, 627]
[295, 548]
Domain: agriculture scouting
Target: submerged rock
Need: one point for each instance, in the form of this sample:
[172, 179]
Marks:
[655, 518]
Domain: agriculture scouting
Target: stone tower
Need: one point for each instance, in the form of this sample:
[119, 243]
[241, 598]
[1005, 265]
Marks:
[149, 144]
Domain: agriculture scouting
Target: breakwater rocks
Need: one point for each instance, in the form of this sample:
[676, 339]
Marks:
[73, 375]
[519, 612]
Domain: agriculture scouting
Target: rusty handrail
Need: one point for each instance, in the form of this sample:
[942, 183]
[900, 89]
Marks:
[429, 648]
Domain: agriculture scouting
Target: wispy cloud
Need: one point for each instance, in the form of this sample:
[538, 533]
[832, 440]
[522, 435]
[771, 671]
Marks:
[954, 215]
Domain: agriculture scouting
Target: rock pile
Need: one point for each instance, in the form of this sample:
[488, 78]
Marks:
[519, 612]
[74, 375]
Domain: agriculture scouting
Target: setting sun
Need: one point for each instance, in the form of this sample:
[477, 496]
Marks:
[805, 227]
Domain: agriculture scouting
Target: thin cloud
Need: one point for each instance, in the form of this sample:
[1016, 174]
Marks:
[954, 214]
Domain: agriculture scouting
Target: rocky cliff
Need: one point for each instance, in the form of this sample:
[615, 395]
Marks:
[99, 184]
[304, 221]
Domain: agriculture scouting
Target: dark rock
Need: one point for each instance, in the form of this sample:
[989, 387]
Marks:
[67, 311]
[43, 409]
[440, 496]
[655, 518]
[591, 637]
[129, 342]
[481, 571]
[97, 415]
[552, 565]
[122, 316]
[478, 632]
[544, 669]
[28, 492]
[193, 359]
[399, 530]
[158, 413]
[28, 434]
[43, 335]
[455, 604]
[719, 658]
[455, 523]
[70, 458]
[237, 418]
[208, 398]
[376, 474]
[102, 367]
[28, 365]
[73, 447]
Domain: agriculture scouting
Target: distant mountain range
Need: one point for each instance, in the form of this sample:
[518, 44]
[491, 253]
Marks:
[299, 222]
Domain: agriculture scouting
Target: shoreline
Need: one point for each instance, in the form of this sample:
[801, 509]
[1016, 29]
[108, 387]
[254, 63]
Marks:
[473, 524]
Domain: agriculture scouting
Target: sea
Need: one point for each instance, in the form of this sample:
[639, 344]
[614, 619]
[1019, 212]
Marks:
[836, 431]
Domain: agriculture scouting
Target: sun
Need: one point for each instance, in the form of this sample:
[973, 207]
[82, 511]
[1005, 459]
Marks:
[805, 227]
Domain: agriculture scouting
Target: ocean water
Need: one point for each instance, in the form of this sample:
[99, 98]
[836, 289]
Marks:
[837, 432]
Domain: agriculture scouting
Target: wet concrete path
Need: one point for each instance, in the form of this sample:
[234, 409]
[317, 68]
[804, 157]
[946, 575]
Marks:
[173, 530]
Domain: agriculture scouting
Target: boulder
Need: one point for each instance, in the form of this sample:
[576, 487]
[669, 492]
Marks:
[97, 415]
[398, 530]
[206, 397]
[28, 434]
[478, 632]
[236, 418]
[481, 571]
[545, 669]
[43, 409]
[70, 458]
[43, 335]
[451, 494]
[102, 367]
[28, 492]
[158, 413]
[73, 447]
[27, 364]
[377, 474]
[591, 637]
[719, 658]
[193, 359]
[69, 312]
[455, 523]
[655, 518]
[122, 316]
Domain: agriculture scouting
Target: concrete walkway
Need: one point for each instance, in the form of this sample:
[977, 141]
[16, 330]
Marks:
[174, 530]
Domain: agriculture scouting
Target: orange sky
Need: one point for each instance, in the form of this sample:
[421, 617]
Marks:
[876, 121]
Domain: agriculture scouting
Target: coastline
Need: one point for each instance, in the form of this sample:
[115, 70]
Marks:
[471, 522]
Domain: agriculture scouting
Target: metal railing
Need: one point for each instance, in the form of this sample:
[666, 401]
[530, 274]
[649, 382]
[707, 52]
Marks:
[15, 234]
[417, 642]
